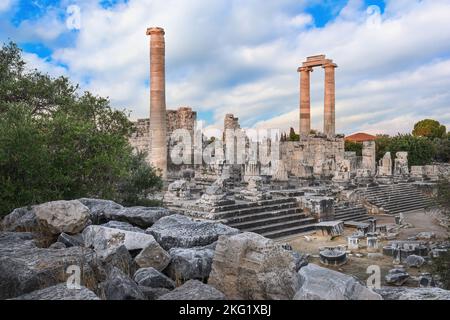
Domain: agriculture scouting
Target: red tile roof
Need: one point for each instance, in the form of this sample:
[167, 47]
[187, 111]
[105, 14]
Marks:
[360, 137]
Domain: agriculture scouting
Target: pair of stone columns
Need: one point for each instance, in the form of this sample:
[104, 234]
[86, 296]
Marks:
[305, 95]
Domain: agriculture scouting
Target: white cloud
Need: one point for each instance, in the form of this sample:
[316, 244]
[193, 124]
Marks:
[301, 20]
[33, 61]
[47, 28]
[241, 57]
[5, 5]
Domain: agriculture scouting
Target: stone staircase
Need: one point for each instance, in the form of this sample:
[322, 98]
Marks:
[351, 213]
[273, 218]
[396, 198]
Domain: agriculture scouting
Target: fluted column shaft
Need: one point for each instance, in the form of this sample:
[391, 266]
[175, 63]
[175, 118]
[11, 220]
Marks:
[158, 126]
[329, 100]
[305, 100]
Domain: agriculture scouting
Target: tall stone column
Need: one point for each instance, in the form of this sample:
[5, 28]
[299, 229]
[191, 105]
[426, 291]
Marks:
[329, 112]
[305, 100]
[158, 126]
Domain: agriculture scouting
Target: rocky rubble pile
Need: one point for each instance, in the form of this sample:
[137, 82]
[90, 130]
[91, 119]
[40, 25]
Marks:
[91, 249]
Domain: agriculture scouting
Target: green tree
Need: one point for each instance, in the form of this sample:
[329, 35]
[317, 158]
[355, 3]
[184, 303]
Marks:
[293, 136]
[421, 151]
[57, 144]
[442, 147]
[429, 128]
[142, 181]
[354, 146]
[382, 143]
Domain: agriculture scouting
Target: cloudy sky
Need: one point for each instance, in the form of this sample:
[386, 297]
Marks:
[241, 56]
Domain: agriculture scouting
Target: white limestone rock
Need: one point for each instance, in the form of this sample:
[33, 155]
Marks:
[62, 216]
[20, 220]
[194, 290]
[177, 191]
[404, 293]
[103, 211]
[190, 263]
[150, 277]
[122, 226]
[103, 239]
[60, 292]
[119, 286]
[153, 255]
[318, 283]
[99, 208]
[25, 268]
[249, 266]
[178, 231]
[142, 217]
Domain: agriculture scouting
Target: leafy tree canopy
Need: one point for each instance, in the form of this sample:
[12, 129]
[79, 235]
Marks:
[293, 136]
[58, 144]
[421, 151]
[354, 146]
[430, 129]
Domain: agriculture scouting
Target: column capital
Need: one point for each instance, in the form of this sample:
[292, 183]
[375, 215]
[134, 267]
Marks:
[155, 31]
[330, 65]
[305, 69]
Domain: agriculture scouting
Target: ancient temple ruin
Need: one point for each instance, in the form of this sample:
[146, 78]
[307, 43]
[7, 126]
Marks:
[240, 217]
[309, 184]
[329, 97]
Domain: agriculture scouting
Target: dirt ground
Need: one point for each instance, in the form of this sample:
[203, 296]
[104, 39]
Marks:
[421, 221]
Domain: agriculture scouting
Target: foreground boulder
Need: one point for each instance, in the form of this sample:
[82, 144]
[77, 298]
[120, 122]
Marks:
[249, 266]
[105, 210]
[153, 255]
[57, 245]
[177, 231]
[20, 220]
[103, 239]
[404, 293]
[153, 293]
[122, 226]
[62, 216]
[150, 277]
[71, 240]
[194, 290]
[119, 286]
[318, 283]
[397, 276]
[190, 263]
[99, 208]
[120, 258]
[142, 217]
[25, 268]
[60, 292]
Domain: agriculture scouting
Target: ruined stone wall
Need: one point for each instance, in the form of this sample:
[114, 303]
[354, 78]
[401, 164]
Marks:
[231, 122]
[141, 138]
[182, 118]
[312, 156]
